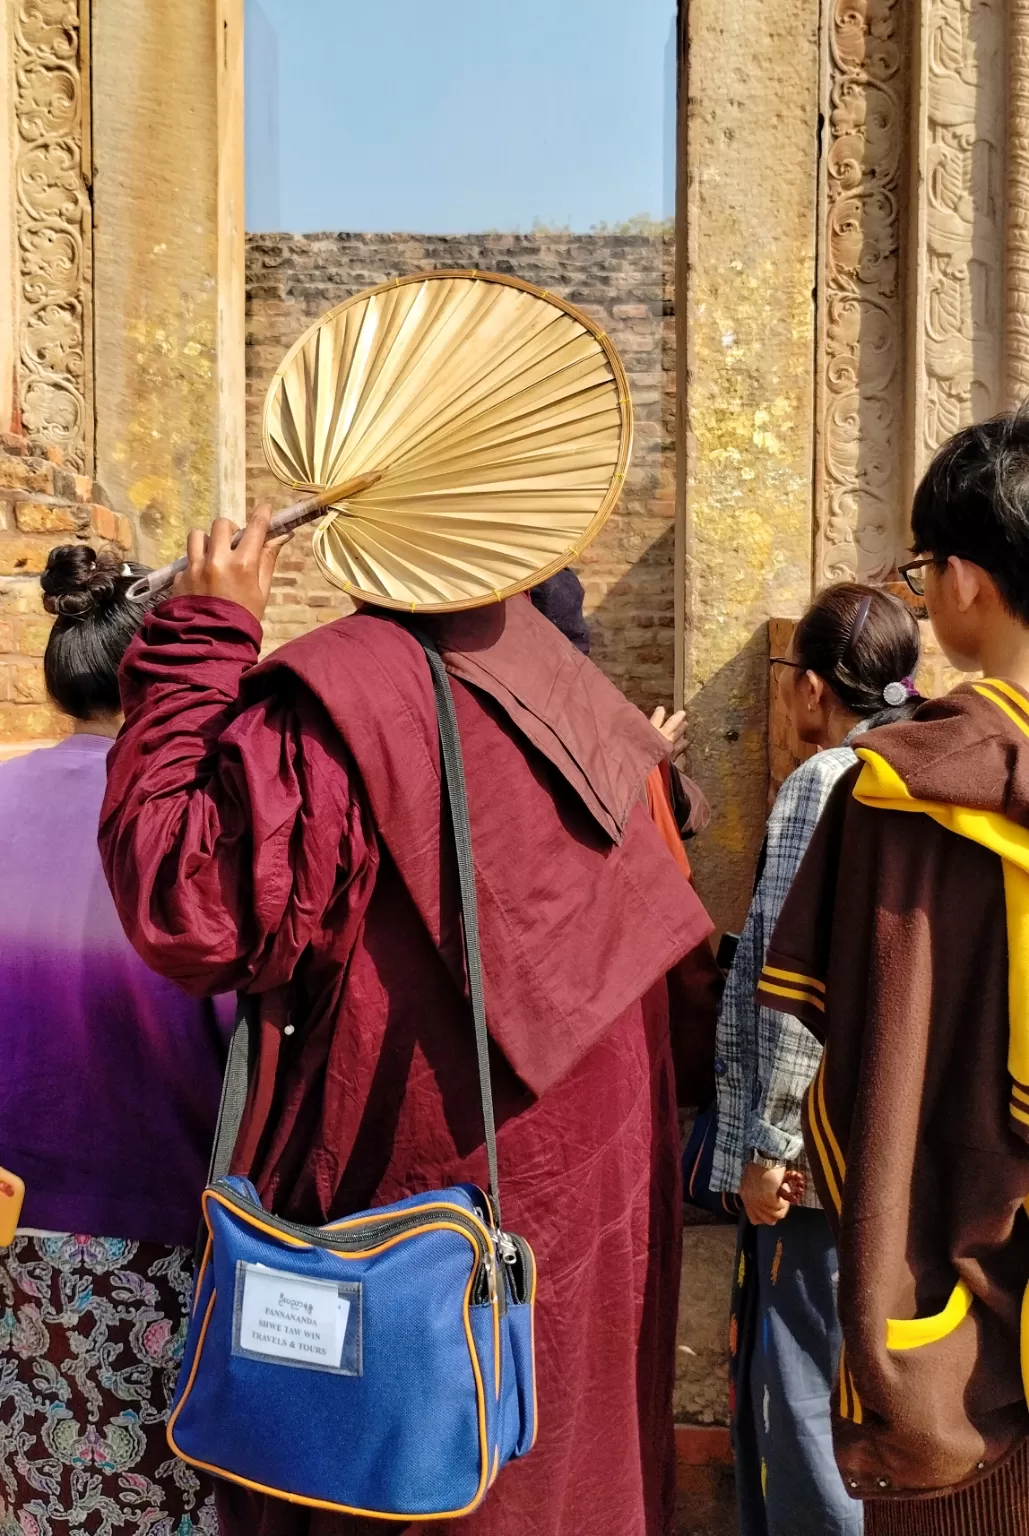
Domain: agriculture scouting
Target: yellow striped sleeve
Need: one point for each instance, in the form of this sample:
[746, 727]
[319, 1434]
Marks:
[820, 1147]
[797, 978]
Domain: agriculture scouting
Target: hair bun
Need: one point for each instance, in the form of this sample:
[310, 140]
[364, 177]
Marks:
[78, 581]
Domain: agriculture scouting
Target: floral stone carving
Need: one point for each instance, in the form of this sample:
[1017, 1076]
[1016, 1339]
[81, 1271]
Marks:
[53, 228]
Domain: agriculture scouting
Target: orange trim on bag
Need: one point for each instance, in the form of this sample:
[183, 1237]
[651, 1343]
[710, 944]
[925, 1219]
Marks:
[189, 1384]
[532, 1346]
[387, 1213]
[496, 1338]
[346, 1509]
[201, 1272]
[362, 1253]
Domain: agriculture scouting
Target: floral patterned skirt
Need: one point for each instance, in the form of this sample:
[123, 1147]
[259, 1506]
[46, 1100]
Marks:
[91, 1336]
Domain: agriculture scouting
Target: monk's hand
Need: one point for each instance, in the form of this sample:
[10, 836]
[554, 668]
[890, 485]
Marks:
[761, 1193]
[244, 574]
[672, 727]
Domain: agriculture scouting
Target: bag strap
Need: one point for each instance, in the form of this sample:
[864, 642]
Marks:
[236, 1081]
[452, 773]
[235, 1086]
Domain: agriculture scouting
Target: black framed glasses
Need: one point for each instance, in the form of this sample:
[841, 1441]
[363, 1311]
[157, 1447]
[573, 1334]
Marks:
[913, 573]
[783, 661]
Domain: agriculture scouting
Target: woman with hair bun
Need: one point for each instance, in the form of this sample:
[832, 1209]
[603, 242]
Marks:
[109, 1083]
[849, 666]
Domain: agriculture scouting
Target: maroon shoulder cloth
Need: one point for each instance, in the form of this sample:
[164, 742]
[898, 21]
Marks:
[260, 818]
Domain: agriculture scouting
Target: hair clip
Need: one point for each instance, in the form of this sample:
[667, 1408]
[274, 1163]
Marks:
[126, 569]
[858, 625]
[896, 694]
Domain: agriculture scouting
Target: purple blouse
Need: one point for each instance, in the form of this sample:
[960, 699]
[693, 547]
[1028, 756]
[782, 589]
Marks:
[109, 1075]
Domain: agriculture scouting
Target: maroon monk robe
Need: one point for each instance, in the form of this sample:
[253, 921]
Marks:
[278, 829]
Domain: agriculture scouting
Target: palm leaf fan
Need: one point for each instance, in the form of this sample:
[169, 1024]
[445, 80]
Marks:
[493, 423]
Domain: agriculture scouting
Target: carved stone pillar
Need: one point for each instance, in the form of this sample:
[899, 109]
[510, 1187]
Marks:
[1016, 356]
[917, 279]
[958, 203]
[860, 378]
[49, 65]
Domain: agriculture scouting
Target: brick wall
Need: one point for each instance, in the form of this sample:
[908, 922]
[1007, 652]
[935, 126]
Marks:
[42, 504]
[623, 281]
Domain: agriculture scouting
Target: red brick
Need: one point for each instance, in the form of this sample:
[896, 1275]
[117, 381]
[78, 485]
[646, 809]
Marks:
[33, 517]
[105, 523]
[26, 475]
[30, 722]
[31, 635]
[27, 685]
[23, 556]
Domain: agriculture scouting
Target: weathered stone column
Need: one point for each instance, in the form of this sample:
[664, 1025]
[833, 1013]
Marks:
[47, 64]
[860, 363]
[167, 162]
[1016, 351]
[749, 138]
[956, 259]
[8, 351]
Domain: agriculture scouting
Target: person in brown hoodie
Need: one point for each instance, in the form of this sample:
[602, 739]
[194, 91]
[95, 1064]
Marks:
[904, 946]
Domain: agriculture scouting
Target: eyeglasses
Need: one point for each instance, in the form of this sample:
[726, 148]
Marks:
[912, 574]
[782, 661]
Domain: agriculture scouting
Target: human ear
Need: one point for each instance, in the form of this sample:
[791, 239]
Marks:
[967, 582]
[813, 689]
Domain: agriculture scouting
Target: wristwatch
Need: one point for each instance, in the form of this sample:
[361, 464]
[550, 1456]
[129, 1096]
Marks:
[764, 1161]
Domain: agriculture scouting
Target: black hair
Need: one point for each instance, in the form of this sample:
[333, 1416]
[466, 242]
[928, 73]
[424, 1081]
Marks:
[860, 640]
[86, 590]
[973, 502]
[560, 599]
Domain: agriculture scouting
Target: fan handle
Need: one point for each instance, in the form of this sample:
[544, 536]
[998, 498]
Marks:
[283, 522]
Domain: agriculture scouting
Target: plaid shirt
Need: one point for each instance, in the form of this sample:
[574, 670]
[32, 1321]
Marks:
[765, 1060]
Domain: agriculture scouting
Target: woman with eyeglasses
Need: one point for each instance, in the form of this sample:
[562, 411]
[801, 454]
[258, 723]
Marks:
[849, 666]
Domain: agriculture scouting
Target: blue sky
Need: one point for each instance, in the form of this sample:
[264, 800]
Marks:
[390, 115]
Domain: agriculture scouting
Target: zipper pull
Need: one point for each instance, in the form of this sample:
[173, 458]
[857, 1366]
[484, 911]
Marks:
[508, 1251]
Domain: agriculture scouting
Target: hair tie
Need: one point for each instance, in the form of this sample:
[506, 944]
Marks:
[896, 694]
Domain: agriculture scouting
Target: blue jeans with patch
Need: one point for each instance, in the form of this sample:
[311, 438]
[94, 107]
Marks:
[785, 1347]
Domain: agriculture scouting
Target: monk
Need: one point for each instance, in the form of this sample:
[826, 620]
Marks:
[277, 828]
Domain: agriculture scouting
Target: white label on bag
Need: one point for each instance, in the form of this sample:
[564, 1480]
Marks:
[303, 1321]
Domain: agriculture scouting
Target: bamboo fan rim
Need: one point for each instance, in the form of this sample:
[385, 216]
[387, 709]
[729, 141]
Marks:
[614, 490]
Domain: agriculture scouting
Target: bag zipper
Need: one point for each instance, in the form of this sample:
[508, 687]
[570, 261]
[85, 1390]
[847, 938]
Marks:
[374, 1232]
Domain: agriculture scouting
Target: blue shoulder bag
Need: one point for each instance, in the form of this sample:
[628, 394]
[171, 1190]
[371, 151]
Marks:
[381, 1365]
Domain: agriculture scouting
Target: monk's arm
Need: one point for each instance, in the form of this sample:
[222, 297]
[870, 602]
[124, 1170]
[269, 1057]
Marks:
[225, 821]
